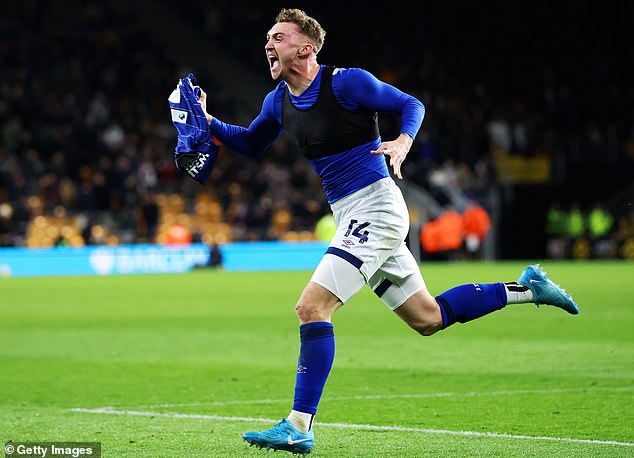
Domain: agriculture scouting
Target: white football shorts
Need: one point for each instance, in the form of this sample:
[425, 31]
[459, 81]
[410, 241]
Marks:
[369, 247]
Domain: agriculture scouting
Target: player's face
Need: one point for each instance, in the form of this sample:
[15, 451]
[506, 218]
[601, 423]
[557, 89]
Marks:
[283, 42]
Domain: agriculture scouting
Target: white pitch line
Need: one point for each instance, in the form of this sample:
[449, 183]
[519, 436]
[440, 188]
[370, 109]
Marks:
[111, 411]
[391, 396]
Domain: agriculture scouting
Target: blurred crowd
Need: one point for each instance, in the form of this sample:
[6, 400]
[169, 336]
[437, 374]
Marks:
[85, 130]
[588, 231]
[80, 134]
[85, 127]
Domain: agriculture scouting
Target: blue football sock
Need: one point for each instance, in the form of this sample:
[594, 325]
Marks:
[468, 302]
[316, 355]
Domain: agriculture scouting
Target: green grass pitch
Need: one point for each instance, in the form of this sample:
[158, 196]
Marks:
[182, 365]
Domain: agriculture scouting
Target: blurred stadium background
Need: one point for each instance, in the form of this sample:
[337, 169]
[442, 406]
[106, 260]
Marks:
[529, 117]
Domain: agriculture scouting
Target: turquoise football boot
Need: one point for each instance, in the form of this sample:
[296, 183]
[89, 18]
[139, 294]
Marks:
[282, 436]
[545, 291]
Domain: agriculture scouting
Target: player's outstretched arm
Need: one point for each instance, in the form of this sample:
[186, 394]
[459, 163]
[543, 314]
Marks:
[249, 141]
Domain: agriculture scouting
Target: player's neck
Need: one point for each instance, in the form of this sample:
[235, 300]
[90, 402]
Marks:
[302, 77]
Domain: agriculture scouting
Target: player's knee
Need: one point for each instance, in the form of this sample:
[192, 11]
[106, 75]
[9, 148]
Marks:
[316, 304]
[426, 327]
[303, 312]
[307, 313]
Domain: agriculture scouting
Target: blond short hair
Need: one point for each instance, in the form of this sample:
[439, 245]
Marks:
[307, 25]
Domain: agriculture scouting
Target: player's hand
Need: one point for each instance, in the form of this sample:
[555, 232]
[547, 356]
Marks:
[203, 103]
[397, 151]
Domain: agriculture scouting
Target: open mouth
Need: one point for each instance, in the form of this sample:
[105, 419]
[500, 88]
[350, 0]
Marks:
[273, 61]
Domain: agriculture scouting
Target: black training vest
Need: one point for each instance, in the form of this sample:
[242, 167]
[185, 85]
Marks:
[326, 127]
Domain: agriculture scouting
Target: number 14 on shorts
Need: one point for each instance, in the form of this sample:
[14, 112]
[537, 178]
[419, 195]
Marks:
[357, 231]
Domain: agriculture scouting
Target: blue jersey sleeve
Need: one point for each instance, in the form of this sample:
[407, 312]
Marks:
[262, 131]
[356, 88]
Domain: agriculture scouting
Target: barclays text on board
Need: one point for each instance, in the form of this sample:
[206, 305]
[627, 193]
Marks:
[101, 260]
[149, 259]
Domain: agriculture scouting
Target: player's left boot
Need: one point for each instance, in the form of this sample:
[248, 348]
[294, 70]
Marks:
[545, 291]
[282, 436]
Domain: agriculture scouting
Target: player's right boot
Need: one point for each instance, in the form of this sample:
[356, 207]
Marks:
[282, 436]
[545, 291]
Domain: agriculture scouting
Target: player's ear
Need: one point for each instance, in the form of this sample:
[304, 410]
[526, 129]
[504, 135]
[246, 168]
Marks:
[305, 50]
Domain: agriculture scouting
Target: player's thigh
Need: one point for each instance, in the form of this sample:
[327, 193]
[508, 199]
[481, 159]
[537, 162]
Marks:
[400, 285]
[398, 278]
[339, 276]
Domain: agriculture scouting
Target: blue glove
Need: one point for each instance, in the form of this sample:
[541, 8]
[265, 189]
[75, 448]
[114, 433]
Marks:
[195, 152]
